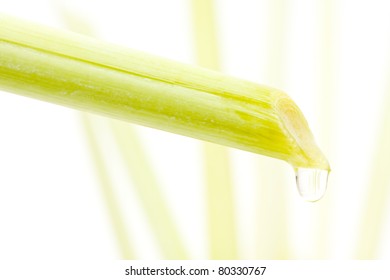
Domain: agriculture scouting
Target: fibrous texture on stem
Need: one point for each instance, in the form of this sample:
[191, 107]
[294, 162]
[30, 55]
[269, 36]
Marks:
[87, 74]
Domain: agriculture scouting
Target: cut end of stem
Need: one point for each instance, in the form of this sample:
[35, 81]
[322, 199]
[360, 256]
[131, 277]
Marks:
[308, 154]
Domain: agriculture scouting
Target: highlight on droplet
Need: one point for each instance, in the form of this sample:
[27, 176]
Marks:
[311, 183]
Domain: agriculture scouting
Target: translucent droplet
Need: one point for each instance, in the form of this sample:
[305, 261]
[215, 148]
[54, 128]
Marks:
[311, 183]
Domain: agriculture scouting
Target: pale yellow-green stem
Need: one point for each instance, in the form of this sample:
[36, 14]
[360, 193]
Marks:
[115, 214]
[219, 187]
[87, 74]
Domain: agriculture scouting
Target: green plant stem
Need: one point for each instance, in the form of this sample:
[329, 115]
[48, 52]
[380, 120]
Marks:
[83, 73]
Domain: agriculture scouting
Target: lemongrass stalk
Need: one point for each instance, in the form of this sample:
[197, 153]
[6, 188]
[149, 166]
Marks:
[87, 74]
[219, 186]
[115, 214]
[139, 169]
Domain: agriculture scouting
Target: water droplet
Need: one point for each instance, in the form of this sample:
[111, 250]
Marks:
[311, 183]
